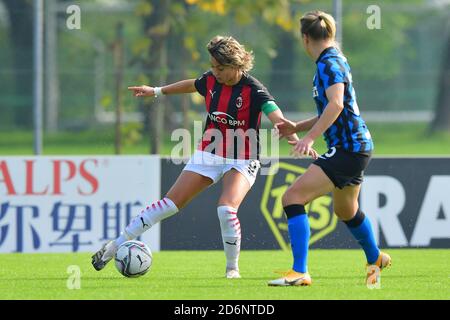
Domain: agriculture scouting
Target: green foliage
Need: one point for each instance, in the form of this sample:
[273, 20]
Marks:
[132, 133]
[390, 139]
[143, 8]
[394, 68]
[379, 46]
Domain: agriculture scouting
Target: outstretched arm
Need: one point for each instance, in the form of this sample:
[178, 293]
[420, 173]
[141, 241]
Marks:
[286, 127]
[184, 86]
[306, 125]
[277, 116]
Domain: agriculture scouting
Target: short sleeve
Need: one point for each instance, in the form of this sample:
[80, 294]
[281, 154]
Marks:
[200, 83]
[332, 72]
[260, 94]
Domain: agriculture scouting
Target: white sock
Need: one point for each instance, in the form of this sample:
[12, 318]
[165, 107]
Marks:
[148, 217]
[231, 235]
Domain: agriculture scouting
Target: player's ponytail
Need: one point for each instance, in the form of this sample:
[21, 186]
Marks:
[228, 51]
[318, 25]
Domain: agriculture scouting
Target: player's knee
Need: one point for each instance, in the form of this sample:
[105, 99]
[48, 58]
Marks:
[345, 212]
[227, 198]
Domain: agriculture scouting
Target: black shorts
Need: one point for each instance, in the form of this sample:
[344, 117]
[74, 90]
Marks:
[344, 168]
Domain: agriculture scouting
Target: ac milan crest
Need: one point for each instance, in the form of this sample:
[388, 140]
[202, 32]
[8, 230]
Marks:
[239, 102]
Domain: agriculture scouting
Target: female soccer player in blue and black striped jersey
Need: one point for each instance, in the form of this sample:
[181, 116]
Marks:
[340, 170]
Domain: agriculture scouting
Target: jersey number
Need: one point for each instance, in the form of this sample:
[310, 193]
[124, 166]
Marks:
[330, 152]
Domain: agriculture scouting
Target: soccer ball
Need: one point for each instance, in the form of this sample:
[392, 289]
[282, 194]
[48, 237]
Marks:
[133, 258]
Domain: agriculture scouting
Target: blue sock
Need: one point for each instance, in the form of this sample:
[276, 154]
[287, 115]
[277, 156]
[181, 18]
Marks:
[299, 232]
[361, 228]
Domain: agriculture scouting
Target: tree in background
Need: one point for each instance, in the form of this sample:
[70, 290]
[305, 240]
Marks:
[20, 13]
[162, 19]
[282, 78]
[441, 121]
[172, 47]
[152, 55]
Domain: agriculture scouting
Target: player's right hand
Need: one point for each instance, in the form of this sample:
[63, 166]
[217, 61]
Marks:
[142, 91]
[312, 153]
[303, 147]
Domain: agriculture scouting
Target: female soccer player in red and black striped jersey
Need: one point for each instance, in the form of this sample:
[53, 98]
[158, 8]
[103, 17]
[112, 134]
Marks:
[229, 149]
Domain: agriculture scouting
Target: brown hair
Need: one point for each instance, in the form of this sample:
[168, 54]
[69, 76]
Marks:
[318, 25]
[229, 52]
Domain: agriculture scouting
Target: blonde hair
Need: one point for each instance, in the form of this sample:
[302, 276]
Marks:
[229, 52]
[318, 25]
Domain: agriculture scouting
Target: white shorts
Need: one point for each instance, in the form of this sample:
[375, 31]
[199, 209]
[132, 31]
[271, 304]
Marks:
[214, 167]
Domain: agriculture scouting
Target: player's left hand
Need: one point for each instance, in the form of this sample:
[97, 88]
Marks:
[303, 147]
[285, 128]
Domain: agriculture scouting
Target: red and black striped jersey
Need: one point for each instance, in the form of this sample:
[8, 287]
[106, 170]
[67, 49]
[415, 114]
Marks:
[234, 116]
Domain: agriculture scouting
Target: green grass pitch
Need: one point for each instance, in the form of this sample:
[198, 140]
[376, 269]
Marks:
[186, 275]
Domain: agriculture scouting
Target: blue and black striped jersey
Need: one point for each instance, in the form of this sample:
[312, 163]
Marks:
[349, 131]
